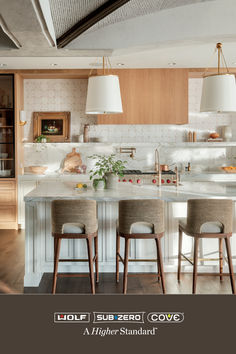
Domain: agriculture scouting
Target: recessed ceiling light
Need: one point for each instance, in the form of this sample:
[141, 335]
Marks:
[2, 65]
[120, 64]
[172, 64]
[53, 64]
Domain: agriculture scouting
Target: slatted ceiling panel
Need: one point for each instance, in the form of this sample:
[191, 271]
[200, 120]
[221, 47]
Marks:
[135, 8]
[66, 13]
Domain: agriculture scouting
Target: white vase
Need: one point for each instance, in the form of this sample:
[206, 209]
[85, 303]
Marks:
[227, 133]
[99, 186]
[111, 181]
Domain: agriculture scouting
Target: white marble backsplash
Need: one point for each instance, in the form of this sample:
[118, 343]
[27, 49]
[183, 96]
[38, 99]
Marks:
[201, 158]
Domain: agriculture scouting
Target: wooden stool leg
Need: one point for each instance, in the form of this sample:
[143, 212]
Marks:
[90, 257]
[221, 258]
[126, 260]
[158, 267]
[179, 254]
[231, 270]
[117, 256]
[195, 260]
[96, 257]
[159, 252]
[57, 245]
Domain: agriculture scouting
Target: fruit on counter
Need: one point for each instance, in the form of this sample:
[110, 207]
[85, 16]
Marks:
[138, 181]
[154, 181]
[168, 181]
[81, 185]
[214, 135]
[229, 168]
[162, 181]
[130, 180]
[124, 180]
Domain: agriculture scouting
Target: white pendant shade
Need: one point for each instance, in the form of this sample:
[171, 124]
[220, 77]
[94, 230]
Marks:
[103, 96]
[218, 94]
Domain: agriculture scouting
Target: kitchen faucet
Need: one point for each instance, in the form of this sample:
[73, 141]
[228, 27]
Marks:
[157, 166]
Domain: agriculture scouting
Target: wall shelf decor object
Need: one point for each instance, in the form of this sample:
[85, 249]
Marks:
[54, 125]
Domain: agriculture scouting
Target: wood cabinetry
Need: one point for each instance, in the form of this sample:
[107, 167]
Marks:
[8, 210]
[9, 106]
[151, 96]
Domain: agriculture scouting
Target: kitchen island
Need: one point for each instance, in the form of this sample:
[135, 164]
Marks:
[39, 242]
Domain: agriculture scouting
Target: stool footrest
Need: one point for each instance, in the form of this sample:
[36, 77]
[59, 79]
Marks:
[136, 260]
[190, 260]
[76, 260]
[72, 275]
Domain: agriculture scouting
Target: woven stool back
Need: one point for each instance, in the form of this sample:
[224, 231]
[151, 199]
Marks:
[201, 211]
[74, 211]
[141, 210]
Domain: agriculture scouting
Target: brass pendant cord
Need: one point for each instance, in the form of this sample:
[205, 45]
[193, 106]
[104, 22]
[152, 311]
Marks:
[106, 66]
[220, 55]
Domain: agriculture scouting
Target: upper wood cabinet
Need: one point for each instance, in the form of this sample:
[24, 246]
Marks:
[151, 96]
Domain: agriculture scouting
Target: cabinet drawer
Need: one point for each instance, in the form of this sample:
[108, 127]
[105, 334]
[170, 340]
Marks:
[8, 197]
[7, 185]
[7, 213]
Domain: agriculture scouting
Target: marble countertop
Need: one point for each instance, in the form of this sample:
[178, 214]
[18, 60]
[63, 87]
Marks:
[214, 176]
[47, 191]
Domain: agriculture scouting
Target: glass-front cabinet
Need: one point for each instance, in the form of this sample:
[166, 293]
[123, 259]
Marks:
[7, 127]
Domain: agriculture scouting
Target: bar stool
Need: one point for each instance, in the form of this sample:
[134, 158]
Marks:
[207, 218]
[140, 219]
[75, 219]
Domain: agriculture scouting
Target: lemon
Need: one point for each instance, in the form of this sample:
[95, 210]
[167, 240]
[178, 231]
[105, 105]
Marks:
[79, 185]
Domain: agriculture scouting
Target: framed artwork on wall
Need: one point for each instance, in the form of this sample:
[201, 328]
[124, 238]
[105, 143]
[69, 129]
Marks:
[54, 126]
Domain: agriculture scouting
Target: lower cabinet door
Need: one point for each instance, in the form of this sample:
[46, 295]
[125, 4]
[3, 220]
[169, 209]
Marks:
[7, 213]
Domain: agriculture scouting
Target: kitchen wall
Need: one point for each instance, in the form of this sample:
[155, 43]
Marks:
[57, 95]
[70, 95]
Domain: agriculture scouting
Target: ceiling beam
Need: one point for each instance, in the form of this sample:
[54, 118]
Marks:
[90, 20]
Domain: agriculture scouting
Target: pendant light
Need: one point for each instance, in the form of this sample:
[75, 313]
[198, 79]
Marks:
[219, 90]
[103, 95]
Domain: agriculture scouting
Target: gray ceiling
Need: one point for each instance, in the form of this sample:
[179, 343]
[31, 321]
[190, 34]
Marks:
[136, 8]
[142, 33]
[66, 13]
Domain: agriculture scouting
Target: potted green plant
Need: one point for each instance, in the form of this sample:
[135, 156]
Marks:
[106, 170]
[41, 139]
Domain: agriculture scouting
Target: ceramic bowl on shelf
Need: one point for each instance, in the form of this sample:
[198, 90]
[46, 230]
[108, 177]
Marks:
[5, 173]
[37, 170]
[3, 155]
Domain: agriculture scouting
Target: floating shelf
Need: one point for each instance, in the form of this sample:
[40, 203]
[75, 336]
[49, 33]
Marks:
[199, 144]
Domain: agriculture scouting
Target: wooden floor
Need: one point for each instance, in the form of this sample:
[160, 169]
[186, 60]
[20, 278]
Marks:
[12, 255]
[12, 274]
